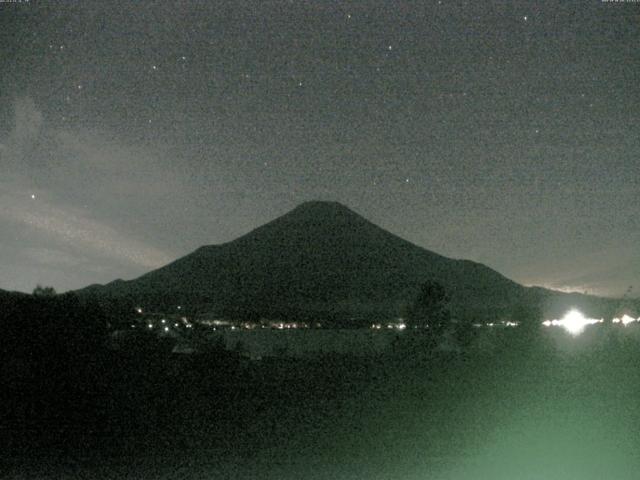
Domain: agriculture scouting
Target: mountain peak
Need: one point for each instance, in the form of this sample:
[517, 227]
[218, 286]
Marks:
[323, 207]
[324, 204]
[310, 222]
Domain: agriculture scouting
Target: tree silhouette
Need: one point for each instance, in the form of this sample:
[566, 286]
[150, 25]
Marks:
[430, 308]
[41, 291]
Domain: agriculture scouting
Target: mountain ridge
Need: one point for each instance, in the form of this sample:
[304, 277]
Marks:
[320, 259]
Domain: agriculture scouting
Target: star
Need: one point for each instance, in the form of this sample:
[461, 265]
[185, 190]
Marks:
[33, 196]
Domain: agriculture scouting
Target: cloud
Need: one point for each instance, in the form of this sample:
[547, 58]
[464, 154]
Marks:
[607, 272]
[79, 196]
[63, 224]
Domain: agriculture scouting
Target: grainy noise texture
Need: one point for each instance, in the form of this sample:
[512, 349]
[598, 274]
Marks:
[132, 133]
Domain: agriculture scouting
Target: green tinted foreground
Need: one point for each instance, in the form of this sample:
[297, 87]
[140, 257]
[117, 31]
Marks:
[551, 407]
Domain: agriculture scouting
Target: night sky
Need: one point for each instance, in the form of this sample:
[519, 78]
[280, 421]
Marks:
[506, 132]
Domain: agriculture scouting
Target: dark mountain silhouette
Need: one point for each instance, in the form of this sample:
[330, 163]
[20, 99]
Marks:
[320, 260]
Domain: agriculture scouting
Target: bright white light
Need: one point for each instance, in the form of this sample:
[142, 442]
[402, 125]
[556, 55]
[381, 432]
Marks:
[166, 329]
[573, 322]
[138, 309]
[150, 325]
[625, 320]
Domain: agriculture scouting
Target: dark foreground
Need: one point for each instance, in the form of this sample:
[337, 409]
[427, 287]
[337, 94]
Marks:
[510, 407]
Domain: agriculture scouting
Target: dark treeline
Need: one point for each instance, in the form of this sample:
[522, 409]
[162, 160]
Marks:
[67, 395]
[52, 360]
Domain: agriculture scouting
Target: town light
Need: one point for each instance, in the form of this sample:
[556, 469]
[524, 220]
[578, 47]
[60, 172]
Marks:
[625, 320]
[573, 322]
